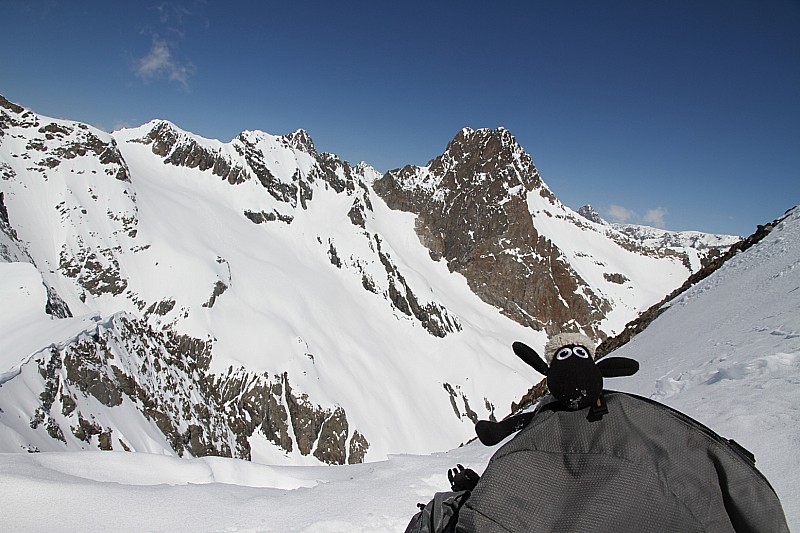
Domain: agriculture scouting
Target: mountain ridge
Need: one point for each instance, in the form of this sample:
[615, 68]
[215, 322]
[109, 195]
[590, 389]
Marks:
[486, 178]
[303, 309]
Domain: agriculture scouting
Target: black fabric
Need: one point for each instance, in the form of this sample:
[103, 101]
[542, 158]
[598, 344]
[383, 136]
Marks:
[643, 467]
[615, 367]
[440, 514]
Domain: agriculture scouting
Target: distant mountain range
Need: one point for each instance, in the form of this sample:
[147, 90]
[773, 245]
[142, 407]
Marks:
[173, 294]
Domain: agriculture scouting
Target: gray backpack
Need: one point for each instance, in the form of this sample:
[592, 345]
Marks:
[641, 467]
[592, 460]
[440, 514]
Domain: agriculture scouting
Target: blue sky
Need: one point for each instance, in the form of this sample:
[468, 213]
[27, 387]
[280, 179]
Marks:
[681, 114]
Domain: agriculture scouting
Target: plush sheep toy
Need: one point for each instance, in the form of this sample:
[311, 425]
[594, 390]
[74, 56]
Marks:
[573, 376]
[573, 379]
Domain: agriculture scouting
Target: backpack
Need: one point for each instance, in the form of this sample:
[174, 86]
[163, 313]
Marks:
[641, 467]
[592, 460]
[440, 514]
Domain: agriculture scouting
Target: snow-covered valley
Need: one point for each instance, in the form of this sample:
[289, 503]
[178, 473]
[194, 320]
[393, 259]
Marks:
[192, 300]
[736, 371]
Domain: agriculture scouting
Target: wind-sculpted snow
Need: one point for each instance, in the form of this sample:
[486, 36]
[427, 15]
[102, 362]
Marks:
[144, 492]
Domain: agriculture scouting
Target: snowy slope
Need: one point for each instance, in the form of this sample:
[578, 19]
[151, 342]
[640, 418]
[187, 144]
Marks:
[627, 265]
[24, 326]
[289, 309]
[727, 352]
[626, 275]
[735, 370]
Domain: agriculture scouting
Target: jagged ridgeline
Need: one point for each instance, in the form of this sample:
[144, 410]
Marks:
[259, 299]
[484, 209]
[164, 377]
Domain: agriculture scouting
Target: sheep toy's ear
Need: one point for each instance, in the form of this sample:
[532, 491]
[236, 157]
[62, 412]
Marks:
[615, 367]
[529, 355]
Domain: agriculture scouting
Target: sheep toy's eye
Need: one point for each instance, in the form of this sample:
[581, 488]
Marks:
[563, 353]
[580, 351]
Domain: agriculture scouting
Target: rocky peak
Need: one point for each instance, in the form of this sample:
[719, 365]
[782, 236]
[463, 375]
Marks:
[181, 149]
[472, 203]
[50, 142]
[367, 173]
[477, 159]
[10, 105]
[163, 135]
[495, 153]
[301, 140]
[590, 214]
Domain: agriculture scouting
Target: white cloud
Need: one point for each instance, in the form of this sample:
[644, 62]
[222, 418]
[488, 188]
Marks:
[159, 62]
[620, 214]
[655, 217]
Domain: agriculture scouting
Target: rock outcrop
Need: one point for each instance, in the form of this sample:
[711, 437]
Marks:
[124, 366]
[268, 405]
[473, 212]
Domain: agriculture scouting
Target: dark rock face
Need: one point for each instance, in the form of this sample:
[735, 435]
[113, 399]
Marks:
[3, 209]
[98, 274]
[268, 405]
[433, 317]
[301, 140]
[615, 277]
[11, 106]
[160, 308]
[125, 361]
[55, 305]
[454, 403]
[260, 217]
[588, 212]
[357, 449]
[183, 151]
[219, 289]
[58, 142]
[164, 375]
[472, 211]
[86, 363]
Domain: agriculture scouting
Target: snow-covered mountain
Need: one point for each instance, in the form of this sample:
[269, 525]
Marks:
[483, 208]
[727, 353]
[697, 247]
[172, 294]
